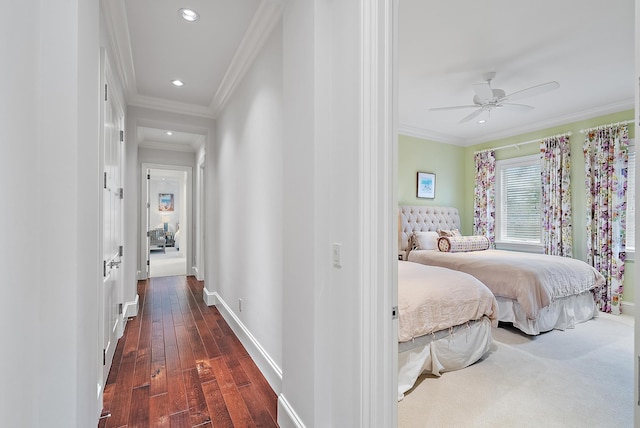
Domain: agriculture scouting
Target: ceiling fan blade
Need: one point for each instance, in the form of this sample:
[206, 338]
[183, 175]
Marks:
[471, 116]
[454, 107]
[483, 91]
[529, 92]
[512, 106]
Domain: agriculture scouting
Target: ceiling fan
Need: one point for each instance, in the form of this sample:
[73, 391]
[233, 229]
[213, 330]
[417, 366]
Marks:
[487, 99]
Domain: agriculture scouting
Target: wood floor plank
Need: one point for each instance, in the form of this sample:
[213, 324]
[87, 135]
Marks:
[259, 414]
[198, 411]
[263, 389]
[139, 413]
[187, 360]
[159, 411]
[235, 404]
[237, 372]
[217, 407]
[180, 420]
[157, 368]
[178, 364]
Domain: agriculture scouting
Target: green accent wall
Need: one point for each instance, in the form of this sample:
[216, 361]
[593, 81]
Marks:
[455, 175]
[444, 160]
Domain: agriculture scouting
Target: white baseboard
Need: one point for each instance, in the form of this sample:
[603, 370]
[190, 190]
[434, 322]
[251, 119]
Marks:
[197, 274]
[628, 308]
[209, 297]
[267, 366]
[131, 308]
[287, 417]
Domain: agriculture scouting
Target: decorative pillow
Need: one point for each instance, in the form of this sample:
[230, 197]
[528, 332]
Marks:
[425, 240]
[447, 232]
[458, 244]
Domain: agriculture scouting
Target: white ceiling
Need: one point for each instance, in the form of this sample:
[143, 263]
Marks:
[587, 46]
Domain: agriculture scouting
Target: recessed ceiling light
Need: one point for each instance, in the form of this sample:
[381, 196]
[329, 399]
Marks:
[189, 14]
[177, 82]
[169, 133]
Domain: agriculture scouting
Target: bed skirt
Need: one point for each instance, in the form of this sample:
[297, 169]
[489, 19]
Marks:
[442, 351]
[561, 314]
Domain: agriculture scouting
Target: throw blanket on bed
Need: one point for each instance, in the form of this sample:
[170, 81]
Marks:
[432, 298]
[534, 280]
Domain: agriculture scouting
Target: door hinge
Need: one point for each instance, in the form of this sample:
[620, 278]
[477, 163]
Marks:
[148, 176]
[105, 92]
[121, 136]
[104, 268]
[147, 262]
[104, 357]
[119, 308]
[121, 193]
[120, 250]
[148, 205]
[394, 313]
[105, 180]
[148, 233]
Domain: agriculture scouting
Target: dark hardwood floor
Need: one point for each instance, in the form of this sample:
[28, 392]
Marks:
[179, 364]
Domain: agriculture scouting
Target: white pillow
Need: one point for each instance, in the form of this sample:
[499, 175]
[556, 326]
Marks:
[425, 240]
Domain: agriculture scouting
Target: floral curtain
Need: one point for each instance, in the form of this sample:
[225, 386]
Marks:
[555, 154]
[606, 160]
[484, 202]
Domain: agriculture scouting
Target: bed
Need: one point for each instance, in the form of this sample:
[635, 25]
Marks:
[445, 319]
[535, 292]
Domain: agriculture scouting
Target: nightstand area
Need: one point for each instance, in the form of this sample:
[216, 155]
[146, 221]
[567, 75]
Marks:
[170, 241]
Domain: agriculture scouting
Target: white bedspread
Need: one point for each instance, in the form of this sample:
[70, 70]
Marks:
[533, 280]
[432, 298]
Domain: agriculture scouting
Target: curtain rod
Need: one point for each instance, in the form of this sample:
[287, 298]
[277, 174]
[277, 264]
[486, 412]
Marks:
[624, 122]
[517, 145]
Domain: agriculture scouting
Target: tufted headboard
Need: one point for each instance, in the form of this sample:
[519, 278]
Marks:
[422, 219]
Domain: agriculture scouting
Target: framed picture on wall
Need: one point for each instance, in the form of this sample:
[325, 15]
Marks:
[165, 202]
[426, 185]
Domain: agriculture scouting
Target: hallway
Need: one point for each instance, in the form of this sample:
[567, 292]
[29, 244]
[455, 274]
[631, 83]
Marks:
[179, 364]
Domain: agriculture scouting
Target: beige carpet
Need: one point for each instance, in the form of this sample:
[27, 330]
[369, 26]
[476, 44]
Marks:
[170, 263]
[581, 377]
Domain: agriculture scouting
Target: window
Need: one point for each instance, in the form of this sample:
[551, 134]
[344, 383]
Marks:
[518, 196]
[631, 200]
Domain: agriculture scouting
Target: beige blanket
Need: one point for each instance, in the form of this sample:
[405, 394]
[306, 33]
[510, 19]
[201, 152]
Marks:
[432, 299]
[534, 280]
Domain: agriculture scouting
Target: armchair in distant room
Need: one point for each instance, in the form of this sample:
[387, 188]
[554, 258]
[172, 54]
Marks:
[157, 239]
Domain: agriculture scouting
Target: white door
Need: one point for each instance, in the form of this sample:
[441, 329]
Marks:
[112, 160]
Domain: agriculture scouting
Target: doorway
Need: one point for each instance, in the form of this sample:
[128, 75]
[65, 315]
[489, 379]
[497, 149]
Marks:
[168, 213]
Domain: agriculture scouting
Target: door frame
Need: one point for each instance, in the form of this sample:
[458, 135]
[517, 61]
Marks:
[143, 243]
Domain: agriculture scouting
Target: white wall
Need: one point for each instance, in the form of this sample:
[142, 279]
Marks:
[48, 167]
[19, 154]
[246, 202]
[288, 165]
[166, 186]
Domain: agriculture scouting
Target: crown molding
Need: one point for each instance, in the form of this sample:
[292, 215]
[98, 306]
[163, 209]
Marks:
[263, 22]
[175, 147]
[427, 134]
[118, 34]
[413, 131]
[171, 106]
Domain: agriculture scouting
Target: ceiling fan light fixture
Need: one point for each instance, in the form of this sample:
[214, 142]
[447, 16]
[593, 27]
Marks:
[189, 14]
[484, 116]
